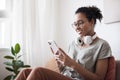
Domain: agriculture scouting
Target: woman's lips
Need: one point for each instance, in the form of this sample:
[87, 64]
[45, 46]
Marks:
[79, 32]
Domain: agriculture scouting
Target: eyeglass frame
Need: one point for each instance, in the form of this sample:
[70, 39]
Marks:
[78, 24]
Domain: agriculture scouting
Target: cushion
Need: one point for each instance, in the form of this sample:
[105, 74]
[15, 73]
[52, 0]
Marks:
[52, 65]
[117, 70]
[110, 75]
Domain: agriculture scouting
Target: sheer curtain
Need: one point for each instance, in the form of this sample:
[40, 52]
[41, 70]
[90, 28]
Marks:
[33, 24]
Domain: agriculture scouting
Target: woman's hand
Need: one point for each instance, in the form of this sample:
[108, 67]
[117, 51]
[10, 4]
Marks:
[64, 59]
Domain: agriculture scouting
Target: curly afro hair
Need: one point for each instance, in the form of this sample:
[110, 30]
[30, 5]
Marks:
[91, 12]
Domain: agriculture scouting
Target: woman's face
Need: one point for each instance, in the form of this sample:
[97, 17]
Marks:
[82, 26]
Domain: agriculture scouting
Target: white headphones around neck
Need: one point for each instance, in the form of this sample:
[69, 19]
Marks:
[86, 40]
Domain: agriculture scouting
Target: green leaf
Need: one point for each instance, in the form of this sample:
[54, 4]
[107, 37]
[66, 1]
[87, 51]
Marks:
[13, 51]
[18, 63]
[17, 48]
[8, 57]
[16, 73]
[9, 69]
[8, 63]
[26, 66]
[9, 77]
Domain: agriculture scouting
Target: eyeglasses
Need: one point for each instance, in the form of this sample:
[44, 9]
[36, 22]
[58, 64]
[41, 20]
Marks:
[78, 24]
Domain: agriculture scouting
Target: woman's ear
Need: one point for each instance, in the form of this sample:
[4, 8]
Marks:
[92, 22]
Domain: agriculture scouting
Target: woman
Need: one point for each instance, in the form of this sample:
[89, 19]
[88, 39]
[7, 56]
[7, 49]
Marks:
[87, 58]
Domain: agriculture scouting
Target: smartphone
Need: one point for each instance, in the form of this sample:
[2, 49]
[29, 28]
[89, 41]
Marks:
[53, 46]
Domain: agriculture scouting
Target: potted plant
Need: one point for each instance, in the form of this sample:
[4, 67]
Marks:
[13, 63]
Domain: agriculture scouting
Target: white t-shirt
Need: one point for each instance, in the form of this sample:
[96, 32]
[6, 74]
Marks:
[87, 56]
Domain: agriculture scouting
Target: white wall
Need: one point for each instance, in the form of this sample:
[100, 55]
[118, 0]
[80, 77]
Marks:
[66, 34]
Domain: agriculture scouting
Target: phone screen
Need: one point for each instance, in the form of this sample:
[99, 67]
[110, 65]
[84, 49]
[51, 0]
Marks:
[53, 45]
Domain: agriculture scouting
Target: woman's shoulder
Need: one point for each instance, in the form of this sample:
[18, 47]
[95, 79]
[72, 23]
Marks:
[102, 42]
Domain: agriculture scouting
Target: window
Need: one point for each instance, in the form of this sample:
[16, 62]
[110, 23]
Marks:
[5, 8]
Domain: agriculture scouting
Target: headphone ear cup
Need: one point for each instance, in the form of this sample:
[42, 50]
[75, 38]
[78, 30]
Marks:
[78, 41]
[88, 40]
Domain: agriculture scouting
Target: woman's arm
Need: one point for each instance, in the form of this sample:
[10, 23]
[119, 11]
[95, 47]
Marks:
[100, 71]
